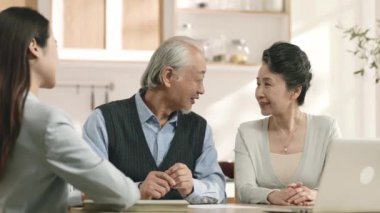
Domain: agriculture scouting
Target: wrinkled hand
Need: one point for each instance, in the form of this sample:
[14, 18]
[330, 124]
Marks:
[282, 196]
[183, 178]
[156, 185]
[304, 195]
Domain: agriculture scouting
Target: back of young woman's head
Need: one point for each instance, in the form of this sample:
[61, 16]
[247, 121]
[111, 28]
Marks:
[292, 63]
[18, 27]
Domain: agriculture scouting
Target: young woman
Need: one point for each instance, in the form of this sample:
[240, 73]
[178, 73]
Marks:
[40, 149]
[279, 159]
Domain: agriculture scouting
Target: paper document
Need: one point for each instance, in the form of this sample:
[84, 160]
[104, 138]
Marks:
[222, 206]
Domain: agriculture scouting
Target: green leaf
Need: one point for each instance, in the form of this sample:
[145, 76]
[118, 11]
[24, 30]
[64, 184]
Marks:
[373, 65]
[364, 33]
[361, 72]
[360, 44]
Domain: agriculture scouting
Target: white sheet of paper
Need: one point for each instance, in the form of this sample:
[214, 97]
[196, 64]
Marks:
[222, 206]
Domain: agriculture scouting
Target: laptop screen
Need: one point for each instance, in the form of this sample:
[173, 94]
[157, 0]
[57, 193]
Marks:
[351, 178]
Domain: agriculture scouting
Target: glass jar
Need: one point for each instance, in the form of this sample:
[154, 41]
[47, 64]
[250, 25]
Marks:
[273, 5]
[186, 30]
[238, 52]
[215, 49]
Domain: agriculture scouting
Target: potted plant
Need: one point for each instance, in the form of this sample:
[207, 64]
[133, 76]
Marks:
[367, 48]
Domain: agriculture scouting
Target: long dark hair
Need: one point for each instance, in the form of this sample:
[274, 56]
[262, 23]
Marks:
[18, 27]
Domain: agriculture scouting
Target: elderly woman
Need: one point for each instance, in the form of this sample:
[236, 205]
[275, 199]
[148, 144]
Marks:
[279, 159]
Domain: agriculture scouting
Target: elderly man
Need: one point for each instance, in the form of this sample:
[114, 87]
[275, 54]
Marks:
[154, 138]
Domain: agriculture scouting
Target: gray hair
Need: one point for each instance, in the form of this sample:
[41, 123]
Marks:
[174, 52]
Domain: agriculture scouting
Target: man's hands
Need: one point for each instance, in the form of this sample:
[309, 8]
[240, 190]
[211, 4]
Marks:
[183, 178]
[294, 194]
[158, 183]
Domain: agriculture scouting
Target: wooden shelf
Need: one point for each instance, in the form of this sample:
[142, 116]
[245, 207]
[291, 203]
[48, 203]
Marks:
[229, 11]
[228, 67]
[217, 26]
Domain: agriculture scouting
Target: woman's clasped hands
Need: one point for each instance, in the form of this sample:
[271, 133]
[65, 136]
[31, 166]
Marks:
[295, 194]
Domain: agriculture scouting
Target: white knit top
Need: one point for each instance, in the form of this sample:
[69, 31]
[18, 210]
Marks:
[255, 177]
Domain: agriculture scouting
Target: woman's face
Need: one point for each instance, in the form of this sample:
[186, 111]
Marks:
[48, 61]
[271, 92]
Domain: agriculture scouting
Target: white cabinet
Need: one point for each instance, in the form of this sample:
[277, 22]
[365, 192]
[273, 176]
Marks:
[20, 3]
[106, 30]
[260, 24]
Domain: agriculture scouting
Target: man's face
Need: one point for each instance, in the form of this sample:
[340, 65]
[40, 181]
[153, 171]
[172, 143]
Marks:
[188, 85]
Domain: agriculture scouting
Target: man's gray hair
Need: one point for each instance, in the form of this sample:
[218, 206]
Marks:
[174, 52]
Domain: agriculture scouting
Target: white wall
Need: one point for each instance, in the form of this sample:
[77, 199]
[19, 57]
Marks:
[335, 89]
[377, 9]
[229, 98]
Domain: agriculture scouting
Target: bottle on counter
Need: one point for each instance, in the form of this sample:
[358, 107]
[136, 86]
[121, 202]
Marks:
[238, 52]
[273, 5]
[186, 30]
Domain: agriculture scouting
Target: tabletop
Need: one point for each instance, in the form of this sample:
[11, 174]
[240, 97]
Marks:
[219, 208]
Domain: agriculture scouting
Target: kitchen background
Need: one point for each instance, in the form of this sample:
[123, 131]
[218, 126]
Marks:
[104, 46]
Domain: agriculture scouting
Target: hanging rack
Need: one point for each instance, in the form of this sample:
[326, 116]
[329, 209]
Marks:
[110, 86]
[92, 86]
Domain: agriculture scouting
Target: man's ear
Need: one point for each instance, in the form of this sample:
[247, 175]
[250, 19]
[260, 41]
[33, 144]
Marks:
[167, 74]
[34, 50]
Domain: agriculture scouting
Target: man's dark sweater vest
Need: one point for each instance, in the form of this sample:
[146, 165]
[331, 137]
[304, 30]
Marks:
[129, 151]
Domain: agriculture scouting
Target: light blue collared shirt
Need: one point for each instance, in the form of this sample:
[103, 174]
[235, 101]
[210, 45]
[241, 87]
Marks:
[209, 186]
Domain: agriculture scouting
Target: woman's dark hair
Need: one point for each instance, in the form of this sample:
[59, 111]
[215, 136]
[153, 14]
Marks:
[292, 63]
[18, 27]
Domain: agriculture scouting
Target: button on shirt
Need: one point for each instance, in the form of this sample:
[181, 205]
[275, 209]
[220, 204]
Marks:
[209, 187]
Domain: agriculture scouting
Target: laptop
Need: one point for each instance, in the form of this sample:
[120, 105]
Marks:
[350, 181]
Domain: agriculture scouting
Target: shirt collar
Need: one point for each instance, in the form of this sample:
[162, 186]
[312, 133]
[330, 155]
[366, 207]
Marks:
[31, 96]
[145, 114]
